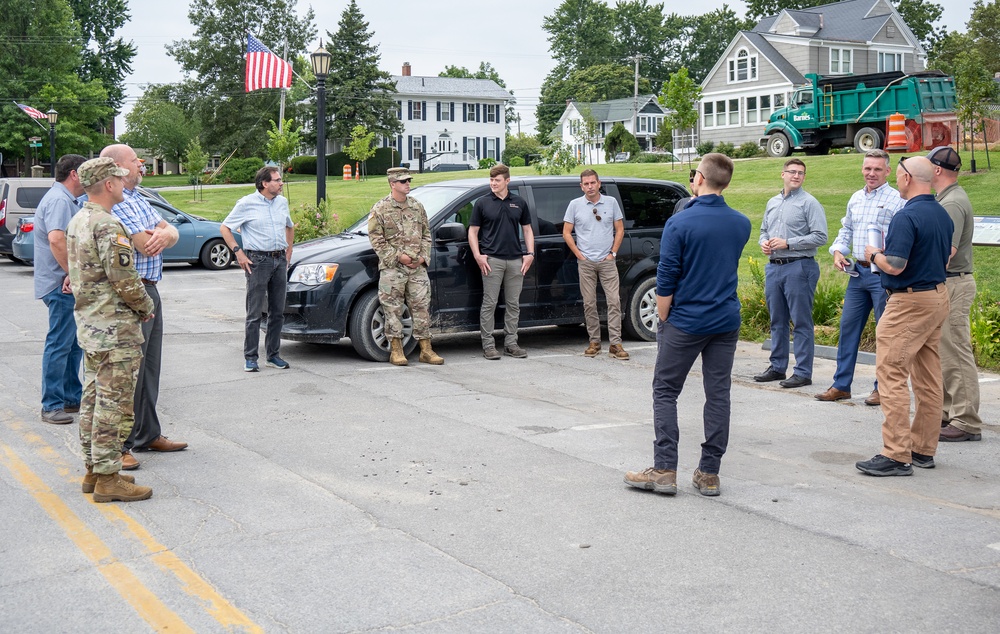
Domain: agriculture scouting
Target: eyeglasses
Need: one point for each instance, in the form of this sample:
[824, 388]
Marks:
[404, 180]
[596, 215]
[795, 172]
[693, 172]
[902, 159]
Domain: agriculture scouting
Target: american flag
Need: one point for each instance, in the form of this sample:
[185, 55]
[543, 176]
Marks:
[34, 114]
[264, 68]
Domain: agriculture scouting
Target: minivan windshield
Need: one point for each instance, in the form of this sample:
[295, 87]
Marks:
[434, 199]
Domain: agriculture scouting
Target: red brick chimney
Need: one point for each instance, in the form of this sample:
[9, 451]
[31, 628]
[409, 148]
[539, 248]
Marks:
[406, 69]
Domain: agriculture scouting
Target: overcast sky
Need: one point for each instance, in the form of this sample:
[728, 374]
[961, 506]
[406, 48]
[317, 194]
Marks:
[430, 34]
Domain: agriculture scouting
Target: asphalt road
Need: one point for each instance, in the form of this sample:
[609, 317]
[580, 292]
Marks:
[345, 496]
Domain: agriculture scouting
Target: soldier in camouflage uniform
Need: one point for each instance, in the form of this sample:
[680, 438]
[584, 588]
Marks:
[401, 237]
[111, 303]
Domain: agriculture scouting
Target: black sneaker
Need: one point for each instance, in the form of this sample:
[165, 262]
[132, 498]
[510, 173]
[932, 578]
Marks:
[769, 375]
[922, 461]
[883, 466]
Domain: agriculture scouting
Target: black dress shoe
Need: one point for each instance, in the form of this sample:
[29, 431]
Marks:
[796, 381]
[769, 375]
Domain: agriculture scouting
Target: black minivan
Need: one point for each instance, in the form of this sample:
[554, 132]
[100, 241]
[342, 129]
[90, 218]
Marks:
[333, 281]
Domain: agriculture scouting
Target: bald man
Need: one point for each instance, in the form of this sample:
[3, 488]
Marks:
[914, 268]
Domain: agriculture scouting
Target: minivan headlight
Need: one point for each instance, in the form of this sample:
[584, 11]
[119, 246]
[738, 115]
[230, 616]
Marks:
[313, 274]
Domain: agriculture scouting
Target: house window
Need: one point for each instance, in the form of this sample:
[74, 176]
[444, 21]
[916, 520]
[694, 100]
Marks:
[743, 67]
[734, 112]
[604, 129]
[779, 101]
[470, 143]
[574, 126]
[416, 146]
[491, 148]
[840, 60]
[491, 113]
[889, 62]
[643, 124]
[399, 110]
[752, 114]
[470, 111]
[709, 114]
[445, 111]
[444, 143]
[417, 110]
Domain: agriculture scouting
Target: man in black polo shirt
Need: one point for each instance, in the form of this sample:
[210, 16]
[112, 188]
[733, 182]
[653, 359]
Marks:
[913, 265]
[496, 245]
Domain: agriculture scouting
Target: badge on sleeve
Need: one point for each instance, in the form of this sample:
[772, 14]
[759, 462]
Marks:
[122, 240]
[124, 258]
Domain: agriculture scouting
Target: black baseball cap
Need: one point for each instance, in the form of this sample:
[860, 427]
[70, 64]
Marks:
[945, 158]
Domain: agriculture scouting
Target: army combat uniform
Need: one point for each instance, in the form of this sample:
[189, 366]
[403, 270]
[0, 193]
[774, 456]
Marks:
[110, 305]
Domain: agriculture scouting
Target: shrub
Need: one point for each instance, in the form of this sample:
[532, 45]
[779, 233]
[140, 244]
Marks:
[650, 157]
[705, 147]
[749, 149]
[984, 321]
[335, 163]
[303, 165]
[241, 170]
[726, 148]
[517, 161]
[314, 222]
[385, 157]
[486, 163]
[756, 323]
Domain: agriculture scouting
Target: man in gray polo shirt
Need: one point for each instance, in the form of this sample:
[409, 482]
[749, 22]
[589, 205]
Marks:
[600, 228]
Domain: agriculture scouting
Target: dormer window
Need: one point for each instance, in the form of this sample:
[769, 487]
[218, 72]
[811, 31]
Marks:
[743, 67]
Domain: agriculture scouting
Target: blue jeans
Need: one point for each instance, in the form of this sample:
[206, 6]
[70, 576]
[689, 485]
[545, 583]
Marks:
[862, 295]
[676, 353]
[62, 355]
[789, 290]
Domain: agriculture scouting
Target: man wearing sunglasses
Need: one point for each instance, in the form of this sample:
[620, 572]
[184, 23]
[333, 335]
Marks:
[600, 229]
[914, 269]
[794, 226]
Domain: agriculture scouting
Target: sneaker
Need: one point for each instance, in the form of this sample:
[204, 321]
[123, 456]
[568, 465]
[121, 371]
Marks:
[71, 408]
[617, 352]
[250, 366]
[593, 349]
[515, 351]
[706, 483]
[770, 374]
[56, 416]
[659, 480]
[277, 362]
[922, 461]
[880, 465]
[491, 354]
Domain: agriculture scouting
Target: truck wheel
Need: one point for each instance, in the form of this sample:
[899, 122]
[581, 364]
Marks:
[368, 329]
[778, 145]
[868, 139]
[640, 314]
[216, 256]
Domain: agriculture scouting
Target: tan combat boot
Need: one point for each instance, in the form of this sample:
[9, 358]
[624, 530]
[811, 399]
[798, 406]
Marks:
[110, 488]
[396, 356]
[427, 355]
[90, 479]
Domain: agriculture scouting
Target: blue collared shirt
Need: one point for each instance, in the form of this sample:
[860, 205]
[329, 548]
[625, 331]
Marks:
[54, 212]
[261, 222]
[866, 207]
[799, 219]
[138, 215]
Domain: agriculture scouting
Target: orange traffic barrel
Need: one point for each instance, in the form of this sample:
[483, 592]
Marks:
[897, 133]
[347, 172]
[357, 172]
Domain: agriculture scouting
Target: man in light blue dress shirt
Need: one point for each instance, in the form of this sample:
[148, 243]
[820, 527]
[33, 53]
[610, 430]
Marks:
[268, 233]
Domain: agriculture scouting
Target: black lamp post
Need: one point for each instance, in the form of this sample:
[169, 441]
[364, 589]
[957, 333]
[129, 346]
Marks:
[320, 60]
[53, 117]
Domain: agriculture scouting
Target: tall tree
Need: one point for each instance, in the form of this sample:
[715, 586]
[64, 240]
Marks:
[486, 71]
[639, 30]
[359, 93]
[213, 66]
[580, 36]
[105, 57]
[596, 83]
[680, 96]
[984, 29]
[705, 38]
[159, 125]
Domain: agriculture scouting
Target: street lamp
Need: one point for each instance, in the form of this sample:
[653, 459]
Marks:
[320, 60]
[53, 117]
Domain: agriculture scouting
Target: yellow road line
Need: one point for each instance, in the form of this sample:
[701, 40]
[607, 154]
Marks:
[148, 605]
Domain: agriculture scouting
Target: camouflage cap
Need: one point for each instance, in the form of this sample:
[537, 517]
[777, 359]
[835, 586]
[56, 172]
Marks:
[96, 170]
[945, 158]
[397, 174]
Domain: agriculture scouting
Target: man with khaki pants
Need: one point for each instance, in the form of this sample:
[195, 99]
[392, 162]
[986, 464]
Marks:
[913, 264]
[600, 229]
[960, 413]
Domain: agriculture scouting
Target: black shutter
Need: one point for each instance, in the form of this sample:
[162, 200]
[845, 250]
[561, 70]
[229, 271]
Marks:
[399, 147]
[465, 112]
[409, 147]
[478, 118]
[465, 145]
[409, 110]
[453, 111]
[499, 153]
[439, 111]
[423, 111]
[423, 145]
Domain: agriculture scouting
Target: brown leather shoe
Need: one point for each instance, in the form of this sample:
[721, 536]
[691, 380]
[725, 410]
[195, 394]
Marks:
[833, 394]
[165, 444]
[593, 349]
[954, 434]
[617, 352]
[873, 399]
[128, 461]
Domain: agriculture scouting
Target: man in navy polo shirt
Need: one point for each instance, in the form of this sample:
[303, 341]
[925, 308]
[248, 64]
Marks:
[914, 268]
[699, 314]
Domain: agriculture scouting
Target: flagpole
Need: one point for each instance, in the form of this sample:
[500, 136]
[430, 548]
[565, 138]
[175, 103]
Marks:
[281, 110]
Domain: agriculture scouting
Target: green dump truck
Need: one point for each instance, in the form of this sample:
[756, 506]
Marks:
[854, 110]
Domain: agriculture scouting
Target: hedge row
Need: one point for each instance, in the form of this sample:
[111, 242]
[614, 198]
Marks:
[384, 159]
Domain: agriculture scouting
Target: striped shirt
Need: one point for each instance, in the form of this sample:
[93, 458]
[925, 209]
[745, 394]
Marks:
[261, 222]
[864, 208]
[138, 215]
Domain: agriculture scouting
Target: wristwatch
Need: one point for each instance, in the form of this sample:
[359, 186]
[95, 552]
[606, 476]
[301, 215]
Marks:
[237, 249]
[531, 253]
[614, 254]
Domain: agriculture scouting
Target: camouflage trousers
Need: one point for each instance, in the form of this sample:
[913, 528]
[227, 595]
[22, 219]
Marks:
[412, 287]
[107, 408]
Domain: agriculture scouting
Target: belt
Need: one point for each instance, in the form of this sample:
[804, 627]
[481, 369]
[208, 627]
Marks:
[148, 282]
[273, 254]
[909, 289]
[863, 262]
[789, 260]
[963, 274]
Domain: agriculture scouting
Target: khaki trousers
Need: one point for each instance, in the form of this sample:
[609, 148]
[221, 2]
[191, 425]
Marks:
[958, 364]
[607, 272]
[907, 339]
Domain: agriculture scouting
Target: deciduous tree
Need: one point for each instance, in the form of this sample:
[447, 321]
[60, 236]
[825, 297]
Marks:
[284, 143]
[159, 126]
[105, 57]
[586, 85]
[619, 140]
[486, 71]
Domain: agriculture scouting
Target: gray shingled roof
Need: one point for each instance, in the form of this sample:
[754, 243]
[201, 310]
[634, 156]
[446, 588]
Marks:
[449, 87]
[776, 58]
[842, 21]
[617, 109]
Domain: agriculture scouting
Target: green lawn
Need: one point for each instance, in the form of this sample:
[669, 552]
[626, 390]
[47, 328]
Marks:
[831, 179]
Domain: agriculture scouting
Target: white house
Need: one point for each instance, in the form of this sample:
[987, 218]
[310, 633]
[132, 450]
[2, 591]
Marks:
[761, 67]
[453, 121]
[571, 128]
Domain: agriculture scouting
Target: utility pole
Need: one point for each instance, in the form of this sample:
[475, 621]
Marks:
[635, 95]
[281, 110]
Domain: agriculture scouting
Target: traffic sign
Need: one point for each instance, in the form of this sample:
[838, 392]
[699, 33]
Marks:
[34, 139]
[34, 145]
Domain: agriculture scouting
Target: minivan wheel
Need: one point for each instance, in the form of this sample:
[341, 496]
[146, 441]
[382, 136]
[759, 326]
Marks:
[368, 328]
[640, 317]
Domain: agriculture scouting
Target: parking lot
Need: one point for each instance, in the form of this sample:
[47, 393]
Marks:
[343, 495]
